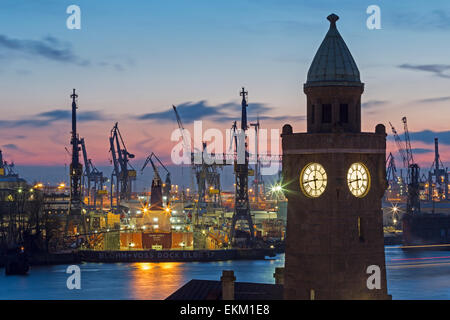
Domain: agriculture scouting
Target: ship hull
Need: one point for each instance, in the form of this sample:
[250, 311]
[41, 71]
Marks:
[174, 255]
[427, 229]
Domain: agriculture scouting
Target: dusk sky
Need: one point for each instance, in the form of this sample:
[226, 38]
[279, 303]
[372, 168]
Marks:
[132, 60]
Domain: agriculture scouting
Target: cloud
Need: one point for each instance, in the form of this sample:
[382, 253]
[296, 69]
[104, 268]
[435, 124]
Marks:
[49, 48]
[421, 150]
[436, 19]
[371, 106]
[10, 146]
[13, 147]
[373, 103]
[47, 118]
[427, 136]
[230, 111]
[436, 69]
[189, 111]
[432, 100]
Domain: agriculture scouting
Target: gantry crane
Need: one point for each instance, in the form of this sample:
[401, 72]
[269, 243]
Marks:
[123, 173]
[158, 189]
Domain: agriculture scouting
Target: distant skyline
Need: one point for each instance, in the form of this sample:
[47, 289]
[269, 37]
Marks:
[132, 60]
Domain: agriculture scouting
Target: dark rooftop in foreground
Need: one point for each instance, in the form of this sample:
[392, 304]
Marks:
[212, 290]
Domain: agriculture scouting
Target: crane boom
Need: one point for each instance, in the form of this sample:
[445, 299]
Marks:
[409, 154]
[149, 159]
[391, 171]
[122, 174]
[400, 148]
[186, 143]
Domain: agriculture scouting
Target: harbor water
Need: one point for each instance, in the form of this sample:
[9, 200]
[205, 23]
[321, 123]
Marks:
[411, 275]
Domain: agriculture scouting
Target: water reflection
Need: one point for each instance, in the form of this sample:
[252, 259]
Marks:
[155, 280]
[410, 274]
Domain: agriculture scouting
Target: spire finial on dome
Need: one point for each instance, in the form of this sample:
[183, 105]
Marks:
[333, 18]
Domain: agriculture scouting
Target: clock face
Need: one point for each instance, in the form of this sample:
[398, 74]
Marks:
[313, 180]
[358, 179]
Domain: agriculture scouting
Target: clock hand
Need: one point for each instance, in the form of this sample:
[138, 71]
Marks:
[308, 181]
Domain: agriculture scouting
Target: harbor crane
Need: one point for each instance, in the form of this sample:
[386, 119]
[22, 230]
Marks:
[6, 169]
[258, 181]
[395, 182]
[206, 174]
[93, 180]
[242, 204]
[187, 145]
[75, 220]
[440, 175]
[159, 190]
[76, 168]
[391, 171]
[413, 201]
[123, 173]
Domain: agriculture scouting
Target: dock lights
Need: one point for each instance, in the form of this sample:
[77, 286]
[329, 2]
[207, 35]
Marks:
[395, 208]
[276, 188]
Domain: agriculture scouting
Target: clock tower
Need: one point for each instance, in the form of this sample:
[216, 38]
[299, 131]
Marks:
[335, 179]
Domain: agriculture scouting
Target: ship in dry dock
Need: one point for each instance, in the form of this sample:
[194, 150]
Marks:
[96, 217]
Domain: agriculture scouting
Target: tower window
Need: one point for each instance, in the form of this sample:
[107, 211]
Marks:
[360, 230]
[313, 113]
[326, 113]
[343, 113]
